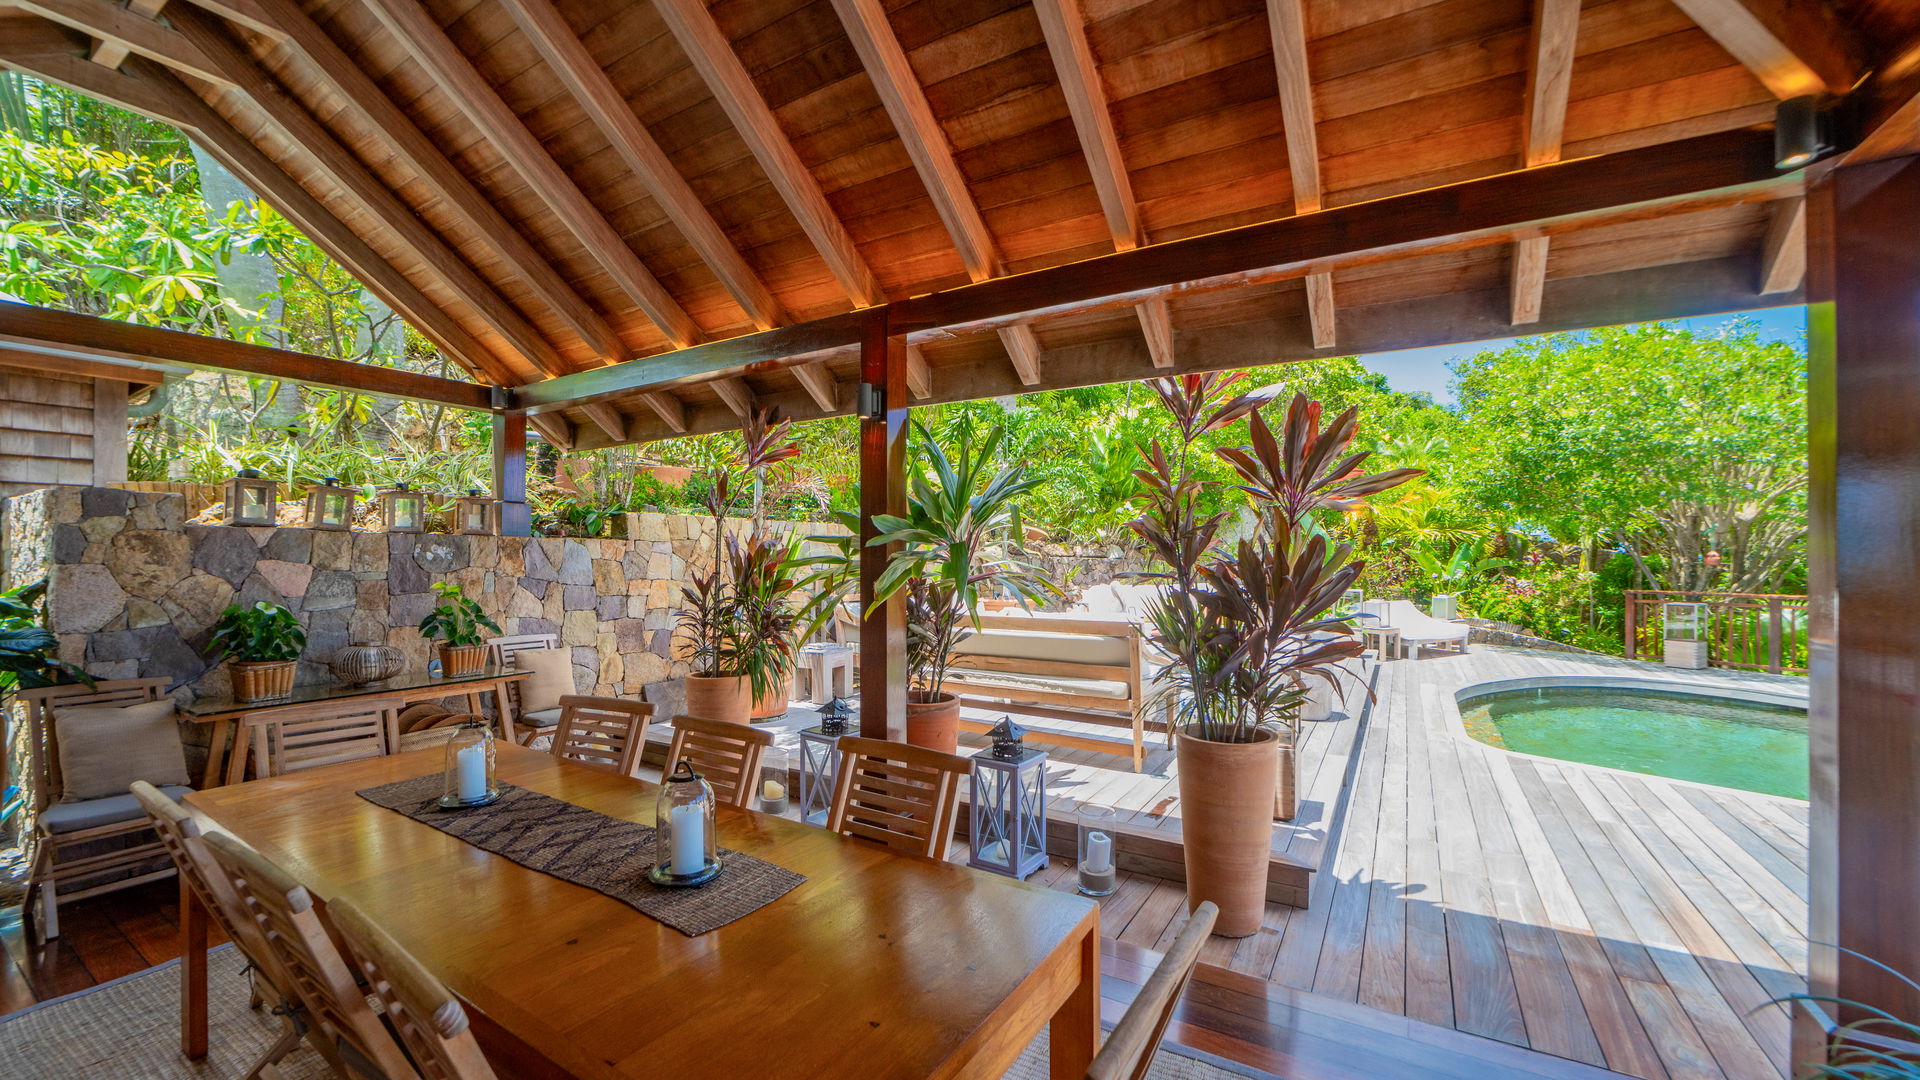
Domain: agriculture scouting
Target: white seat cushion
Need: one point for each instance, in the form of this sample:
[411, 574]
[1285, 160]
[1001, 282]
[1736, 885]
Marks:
[1052, 684]
[69, 817]
[543, 718]
[1045, 645]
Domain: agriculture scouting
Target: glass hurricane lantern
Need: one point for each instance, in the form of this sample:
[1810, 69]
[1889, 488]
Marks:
[684, 850]
[467, 779]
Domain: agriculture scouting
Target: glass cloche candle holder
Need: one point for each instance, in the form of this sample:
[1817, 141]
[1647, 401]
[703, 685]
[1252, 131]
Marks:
[468, 775]
[774, 780]
[683, 844]
[1098, 876]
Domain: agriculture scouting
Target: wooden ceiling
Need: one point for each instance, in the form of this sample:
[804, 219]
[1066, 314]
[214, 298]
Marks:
[546, 187]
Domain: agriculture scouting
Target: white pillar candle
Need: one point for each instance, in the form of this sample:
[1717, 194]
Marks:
[1099, 853]
[772, 791]
[689, 840]
[470, 782]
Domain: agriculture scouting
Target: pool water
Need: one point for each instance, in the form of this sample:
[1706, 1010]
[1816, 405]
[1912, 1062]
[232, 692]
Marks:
[1709, 740]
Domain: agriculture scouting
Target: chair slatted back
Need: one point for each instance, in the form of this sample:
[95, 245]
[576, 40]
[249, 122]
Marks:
[294, 738]
[1128, 1052]
[728, 755]
[317, 974]
[904, 797]
[426, 1016]
[503, 651]
[43, 750]
[605, 733]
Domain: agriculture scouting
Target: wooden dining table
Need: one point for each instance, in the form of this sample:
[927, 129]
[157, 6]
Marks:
[878, 965]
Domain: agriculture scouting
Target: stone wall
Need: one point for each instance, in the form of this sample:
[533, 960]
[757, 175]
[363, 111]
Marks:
[135, 592]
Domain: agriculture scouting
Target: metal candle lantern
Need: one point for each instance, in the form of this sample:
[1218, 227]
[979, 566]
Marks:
[1007, 739]
[473, 514]
[1007, 813]
[467, 778]
[819, 770]
[774, 780]
[834, 716]
[403, 509]
[330, 506]
[252, 499]
[683, 843]
[1686, 635]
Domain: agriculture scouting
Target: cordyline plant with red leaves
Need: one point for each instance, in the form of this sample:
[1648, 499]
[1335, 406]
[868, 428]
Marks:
[1243, 623]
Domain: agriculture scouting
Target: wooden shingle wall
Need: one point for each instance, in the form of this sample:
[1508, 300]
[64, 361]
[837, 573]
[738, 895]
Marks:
[59, 429]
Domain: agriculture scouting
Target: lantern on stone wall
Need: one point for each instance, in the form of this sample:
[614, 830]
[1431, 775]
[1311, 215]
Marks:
[473, 514]
[330, 506]
[403, 509]
[252, 499]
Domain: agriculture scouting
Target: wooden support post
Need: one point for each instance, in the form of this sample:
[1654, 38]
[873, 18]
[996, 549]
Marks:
[510, 472]
[883, 490]
[1863, 567]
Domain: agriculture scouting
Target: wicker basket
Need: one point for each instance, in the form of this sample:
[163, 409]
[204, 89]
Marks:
[262, 680]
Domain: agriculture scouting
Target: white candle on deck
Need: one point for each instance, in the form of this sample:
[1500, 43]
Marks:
[689, 840]
[1099, 853]
[470, 783]
[772, 791]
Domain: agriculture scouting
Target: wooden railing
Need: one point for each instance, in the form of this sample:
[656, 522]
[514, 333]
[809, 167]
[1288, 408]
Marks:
[1747, 631]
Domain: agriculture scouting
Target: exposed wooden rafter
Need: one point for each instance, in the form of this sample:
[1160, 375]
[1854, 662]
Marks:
[1556, 26]
[555, 429]
[129, 32]
[906, 103]
[1783, 262]
[737, 395]
[818, 382]
[670, 409]
[919, 376]
[339, 165]
[112, 53]
[607, 419]
[1287, 22]
[610, 111]
[1024, 350]
[713, 57]
[420, 154]
[1791, 46]
[1156, 326]
[477, 100]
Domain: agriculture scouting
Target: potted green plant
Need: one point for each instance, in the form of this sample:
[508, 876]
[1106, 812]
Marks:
[1246, 626]
[957, 544]
[262, 646]
[458, 622]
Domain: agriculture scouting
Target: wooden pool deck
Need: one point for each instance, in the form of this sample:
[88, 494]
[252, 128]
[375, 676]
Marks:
[1622, 921]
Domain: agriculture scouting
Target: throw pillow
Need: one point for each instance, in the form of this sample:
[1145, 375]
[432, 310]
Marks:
[550, 680]
[104, 749]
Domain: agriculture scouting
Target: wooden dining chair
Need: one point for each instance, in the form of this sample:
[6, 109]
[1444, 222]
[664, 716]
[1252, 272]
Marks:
[727, 754]
[606, 733]
[180, 833]
[428, 1019]
[292, 738]
[904, 797]
[1128, 1052]
[317, 974]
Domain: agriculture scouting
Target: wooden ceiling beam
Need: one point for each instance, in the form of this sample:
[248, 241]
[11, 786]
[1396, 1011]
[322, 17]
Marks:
[610, 111]
[608, 419]
[713, 57]
[1556, 27]
[111, 53]
[67, 334]
[373, 195]
[481, 104]
[252, 14]
[555, 429]
[1287, 23]
[1707, 171]
[919, 375]
[1065, 27]
[1024, 350]
[818, 382]
[423, 156]
[919, 130]
[1783, 259]
[1791, 46]
[671, 410]
[1156, 327]
[131, 32]
[737, 395]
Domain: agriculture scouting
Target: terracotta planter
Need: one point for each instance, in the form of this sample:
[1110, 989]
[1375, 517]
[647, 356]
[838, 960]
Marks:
[1226, 804]
[261, 680]
[720, 697]
[934, 724]
[773, 704]
[457, 660]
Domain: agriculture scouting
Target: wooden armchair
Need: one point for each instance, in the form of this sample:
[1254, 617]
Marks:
[1128, 1052]
[899, 796]
[91, 847]
[727, 754]
[605, 733]
[503, 651]
[428, 1019]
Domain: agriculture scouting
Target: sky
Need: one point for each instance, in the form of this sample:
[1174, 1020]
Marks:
[1425, 370]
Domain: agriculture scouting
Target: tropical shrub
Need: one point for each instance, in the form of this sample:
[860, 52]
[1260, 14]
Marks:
[458, 619]
[263, 633]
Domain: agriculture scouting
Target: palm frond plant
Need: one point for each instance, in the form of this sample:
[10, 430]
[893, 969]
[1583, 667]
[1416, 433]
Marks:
[958, 544]
[1246, 626]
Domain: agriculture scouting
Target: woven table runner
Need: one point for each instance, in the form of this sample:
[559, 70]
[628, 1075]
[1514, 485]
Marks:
[588, 848]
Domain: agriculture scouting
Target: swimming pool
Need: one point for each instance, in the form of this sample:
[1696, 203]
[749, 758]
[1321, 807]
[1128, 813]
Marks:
[1752, 745]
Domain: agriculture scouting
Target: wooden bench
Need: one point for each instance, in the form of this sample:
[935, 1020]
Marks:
[1087, 671]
